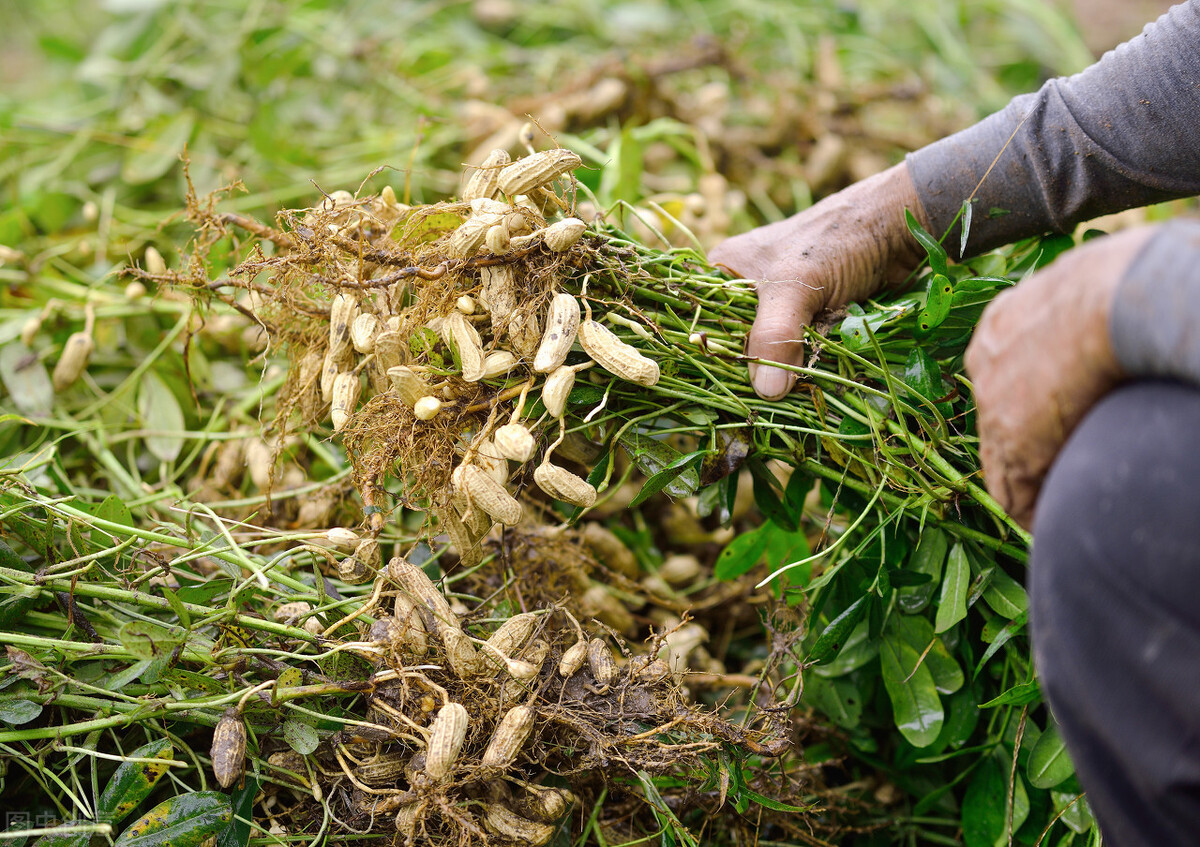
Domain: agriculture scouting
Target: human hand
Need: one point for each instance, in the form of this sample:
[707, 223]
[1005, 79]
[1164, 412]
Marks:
[842, 249]
[1040, 358]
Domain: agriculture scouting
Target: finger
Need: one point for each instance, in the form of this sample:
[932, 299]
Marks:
[784, 309]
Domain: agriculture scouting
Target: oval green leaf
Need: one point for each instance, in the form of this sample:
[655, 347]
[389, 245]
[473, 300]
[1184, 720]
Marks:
[133, 781]
[834, 636]
[1005, 595]
[15, 711]
[66, 839]
[148, 640]
[928, 559]
[1049, 764]
[187, 820]
[953, 605]
[300, 736]
[916, 707]
[741, 554]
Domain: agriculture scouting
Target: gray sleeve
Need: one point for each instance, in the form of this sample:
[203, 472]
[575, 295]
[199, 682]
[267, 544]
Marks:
[1155, 319]
[1123, 133]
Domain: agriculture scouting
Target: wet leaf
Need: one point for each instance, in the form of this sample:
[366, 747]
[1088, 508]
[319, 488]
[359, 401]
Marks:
[927, 560]
[666, 476]
[952, 607]
[834, 636]
[652, 456]
[923, 375]
[858, 650]
[157, 150]
[160, 413]
[1076, 813]
[916, 707]
[133, 781]
[1049, 764]
[1006, 596]
[918, 633]
[184, 821]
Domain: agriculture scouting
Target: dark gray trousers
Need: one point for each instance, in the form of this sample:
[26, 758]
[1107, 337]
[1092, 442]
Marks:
[1114, 587]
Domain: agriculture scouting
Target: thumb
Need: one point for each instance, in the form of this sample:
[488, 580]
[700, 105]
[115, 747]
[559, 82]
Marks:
[784, 309]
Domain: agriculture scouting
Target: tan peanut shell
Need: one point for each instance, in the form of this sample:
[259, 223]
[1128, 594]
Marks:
[342, 537]
[408, 384]
[354, 570]
[228, 750]
[409, 627]
[498, 292]
[652, 671]
[557, 389]
[572, 659]
[510, 736]
[610, 550]
[446, 735]
[346, 390]
[466, 341]
[465, 543]
[498, 363]
[546, 804]
[416, 584]
[74, 359]
[290, 612]
[563, 485]
[488, 494]
[680, 569]
[382, 770]
[507, 823]
[562, 323]
[538, 169]
[524, 330]
[508, 638]
[155, 263]
[329, 372]
[601, 662]
[460, 653]
[563, 235]
[600, 603]
[482, 182]
[466, 240]
[427, 408]
[615, 356]
[342, 312]
[497, 240]
[363, 332]
[287, 760]
[514, 441]
[390, 349]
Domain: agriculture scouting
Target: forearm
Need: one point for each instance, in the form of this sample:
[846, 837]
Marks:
[1121, 134]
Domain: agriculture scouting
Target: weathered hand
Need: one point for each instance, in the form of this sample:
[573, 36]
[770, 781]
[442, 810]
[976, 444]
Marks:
[1039, 359]
[842, 249]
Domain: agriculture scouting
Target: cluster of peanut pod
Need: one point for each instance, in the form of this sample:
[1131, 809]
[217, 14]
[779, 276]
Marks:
[496, 330]
[421, 770]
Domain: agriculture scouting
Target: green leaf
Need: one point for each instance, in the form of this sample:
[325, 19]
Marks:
[1077, 815]
[834, 636]
[1006, 596]
[938, 301]
[133, 781]
[160, 413]
[924, 376]
[952, 607]
[741, 554]
[768, 501]
[768, 803]
[157, 150]
[660, 480]
[149, 640]
[927, 559]
[1022, 694]
[938, 260]
[652, 456]
[113, 509]
[1049, 764]
[918, 633]
[15, 711]
[183, 821]
[238, 835]
[785, 547]
[916, 707]
[64, 839]
[984, 809]
[839, 699]
[300, 736]
[858, 650]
